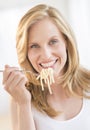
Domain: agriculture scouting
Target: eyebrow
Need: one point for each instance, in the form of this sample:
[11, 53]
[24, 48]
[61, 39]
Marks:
[53, 37]
[36, 42]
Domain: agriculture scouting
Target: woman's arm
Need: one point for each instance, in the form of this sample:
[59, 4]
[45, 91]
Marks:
[22, 118]
[25, 117]
[14, 115]
[14, 83]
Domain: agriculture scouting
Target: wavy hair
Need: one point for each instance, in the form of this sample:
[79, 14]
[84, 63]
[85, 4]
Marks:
[75, 77]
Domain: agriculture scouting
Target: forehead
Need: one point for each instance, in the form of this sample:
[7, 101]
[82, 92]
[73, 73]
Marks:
[45, 28]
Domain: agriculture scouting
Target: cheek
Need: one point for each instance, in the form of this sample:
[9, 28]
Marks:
[32, 57]
[62, 52]
[63, 55]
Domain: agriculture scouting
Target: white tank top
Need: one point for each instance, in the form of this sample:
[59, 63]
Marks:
[79, 122]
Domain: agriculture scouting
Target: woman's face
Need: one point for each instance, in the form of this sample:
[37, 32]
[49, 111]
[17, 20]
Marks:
[47, 47]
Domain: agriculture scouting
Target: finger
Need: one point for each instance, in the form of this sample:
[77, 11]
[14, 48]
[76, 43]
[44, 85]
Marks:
[6, 66]
[17, 80]
[13, 80]
[7, 72]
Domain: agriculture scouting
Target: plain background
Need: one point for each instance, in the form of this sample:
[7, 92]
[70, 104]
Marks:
[76, 12]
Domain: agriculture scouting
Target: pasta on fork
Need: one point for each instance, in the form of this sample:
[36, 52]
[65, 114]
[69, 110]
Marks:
[46, 76]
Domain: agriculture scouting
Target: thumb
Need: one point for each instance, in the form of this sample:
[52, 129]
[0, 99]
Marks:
[6, 66]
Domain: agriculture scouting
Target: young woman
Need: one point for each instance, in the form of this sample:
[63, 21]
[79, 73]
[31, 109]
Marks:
[46, 41]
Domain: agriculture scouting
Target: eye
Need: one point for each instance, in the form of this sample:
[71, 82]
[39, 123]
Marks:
[54, 41]
[34, 46]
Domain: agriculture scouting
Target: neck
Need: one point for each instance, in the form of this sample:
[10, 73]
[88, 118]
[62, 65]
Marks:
[58, 92]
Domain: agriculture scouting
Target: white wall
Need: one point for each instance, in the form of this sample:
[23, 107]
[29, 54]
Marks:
[79, 13]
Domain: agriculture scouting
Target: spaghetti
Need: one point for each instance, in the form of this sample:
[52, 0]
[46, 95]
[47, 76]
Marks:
[46, 76]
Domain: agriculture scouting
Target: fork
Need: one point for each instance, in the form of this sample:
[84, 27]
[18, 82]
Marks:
[26, 71]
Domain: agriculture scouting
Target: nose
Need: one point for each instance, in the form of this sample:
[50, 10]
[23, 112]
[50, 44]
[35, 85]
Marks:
[46, 53]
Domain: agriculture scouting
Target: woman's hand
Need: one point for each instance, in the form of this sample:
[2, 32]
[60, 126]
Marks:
[14, 83]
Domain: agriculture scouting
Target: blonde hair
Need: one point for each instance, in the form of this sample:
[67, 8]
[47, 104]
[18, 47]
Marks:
[74, 79]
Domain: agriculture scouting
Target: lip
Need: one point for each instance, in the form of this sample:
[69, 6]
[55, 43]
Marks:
[48, 64]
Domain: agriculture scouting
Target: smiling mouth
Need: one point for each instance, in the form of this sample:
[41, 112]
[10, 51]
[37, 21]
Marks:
[48, 64]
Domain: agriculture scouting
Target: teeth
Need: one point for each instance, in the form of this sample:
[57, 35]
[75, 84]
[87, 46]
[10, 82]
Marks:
[48, 64]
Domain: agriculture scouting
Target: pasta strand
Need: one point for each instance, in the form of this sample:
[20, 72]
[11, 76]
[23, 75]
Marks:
[46, 76]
